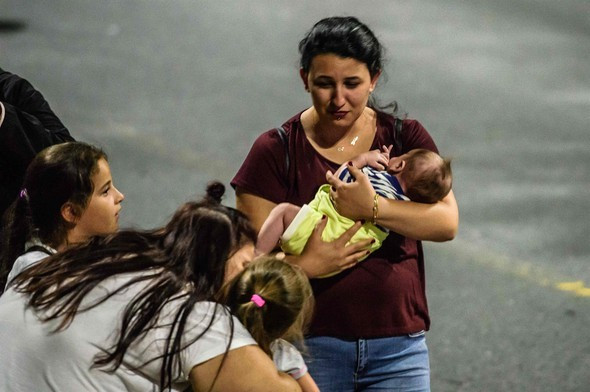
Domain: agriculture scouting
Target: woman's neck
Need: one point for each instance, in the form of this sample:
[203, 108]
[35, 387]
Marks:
[339, 144]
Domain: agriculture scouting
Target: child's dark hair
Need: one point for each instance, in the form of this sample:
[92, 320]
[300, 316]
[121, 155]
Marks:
[58, 174]
[183, 262]
[427, 175]
[273, 299]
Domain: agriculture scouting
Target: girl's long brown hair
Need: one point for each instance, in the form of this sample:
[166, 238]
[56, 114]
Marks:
[185, 260]
[58, 174]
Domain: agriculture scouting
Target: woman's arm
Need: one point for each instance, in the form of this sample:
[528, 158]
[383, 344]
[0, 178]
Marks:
[245, 369]
[319, 257]
[428, 222]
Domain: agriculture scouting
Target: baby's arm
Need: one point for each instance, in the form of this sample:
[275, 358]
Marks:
[377, 159]
[273, 227]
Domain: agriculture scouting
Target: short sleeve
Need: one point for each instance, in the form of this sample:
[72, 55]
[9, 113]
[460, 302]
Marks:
[414, 135]
[288, 359]
[22, 263]
[264, 171]
[215, 340]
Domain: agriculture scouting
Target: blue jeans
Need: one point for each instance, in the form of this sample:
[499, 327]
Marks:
[388, 364]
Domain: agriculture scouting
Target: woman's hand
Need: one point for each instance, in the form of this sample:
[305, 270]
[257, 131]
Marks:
[321, 258]
[427, 222]
[354, 200]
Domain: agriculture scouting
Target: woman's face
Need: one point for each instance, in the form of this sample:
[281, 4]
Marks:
[239, 260]
[339, 88]
[101, 216]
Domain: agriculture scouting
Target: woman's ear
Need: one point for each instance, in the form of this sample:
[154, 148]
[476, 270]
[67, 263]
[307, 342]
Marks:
[69, 213]
[374, 81]
[303, 76]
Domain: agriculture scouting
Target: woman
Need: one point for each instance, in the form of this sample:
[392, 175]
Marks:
[369, 321]
[133, 311]
[67, 196]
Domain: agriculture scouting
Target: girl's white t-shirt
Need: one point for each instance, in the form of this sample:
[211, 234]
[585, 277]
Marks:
[32, 358]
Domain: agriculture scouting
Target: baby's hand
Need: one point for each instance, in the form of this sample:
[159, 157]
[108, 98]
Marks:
[378, 159]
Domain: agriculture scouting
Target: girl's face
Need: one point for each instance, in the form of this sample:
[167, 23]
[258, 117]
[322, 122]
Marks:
[339, 88]
[101, 216]
[238, 261]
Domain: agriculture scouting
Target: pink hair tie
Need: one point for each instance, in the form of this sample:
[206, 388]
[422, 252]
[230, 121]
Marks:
[258, 300]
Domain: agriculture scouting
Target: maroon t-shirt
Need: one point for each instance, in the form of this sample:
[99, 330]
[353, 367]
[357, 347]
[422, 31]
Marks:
[385, 294]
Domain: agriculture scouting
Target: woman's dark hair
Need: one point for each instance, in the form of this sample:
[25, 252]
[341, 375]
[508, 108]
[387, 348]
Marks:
[182, 262]
[58, 174]
[287, 296]
[346, 37]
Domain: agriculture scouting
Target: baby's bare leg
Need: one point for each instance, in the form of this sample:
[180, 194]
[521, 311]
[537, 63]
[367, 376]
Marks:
[273, 227]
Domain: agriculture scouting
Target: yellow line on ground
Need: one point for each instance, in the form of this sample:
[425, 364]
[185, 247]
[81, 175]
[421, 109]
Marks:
[510, 265]
[576, 287]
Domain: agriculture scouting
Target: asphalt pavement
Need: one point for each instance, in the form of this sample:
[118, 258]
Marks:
[176, 92]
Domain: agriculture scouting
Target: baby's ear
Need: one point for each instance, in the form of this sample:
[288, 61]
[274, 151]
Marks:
[397, 166]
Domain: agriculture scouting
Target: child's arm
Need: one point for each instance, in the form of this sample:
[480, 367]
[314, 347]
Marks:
[377, 159]
[307, 383]
[273, 227]
[289, 360]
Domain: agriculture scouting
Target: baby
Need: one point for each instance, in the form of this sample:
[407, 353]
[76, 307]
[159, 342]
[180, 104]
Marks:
[419, 175]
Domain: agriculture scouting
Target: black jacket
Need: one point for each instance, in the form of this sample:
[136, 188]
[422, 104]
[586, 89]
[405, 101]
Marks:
[27, 126]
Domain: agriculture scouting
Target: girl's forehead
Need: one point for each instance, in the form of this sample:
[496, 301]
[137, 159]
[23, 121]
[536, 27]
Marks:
[102, 174]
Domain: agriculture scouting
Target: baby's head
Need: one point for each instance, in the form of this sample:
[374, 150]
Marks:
[424, 176]
[272, 299]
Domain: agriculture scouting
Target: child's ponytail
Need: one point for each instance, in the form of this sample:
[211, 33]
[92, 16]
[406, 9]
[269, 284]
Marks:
[58, 174]
[272, 299]
[16, 230]
[252, 314]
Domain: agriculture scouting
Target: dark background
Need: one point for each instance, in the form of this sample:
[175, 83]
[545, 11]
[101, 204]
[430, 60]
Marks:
[176, 92]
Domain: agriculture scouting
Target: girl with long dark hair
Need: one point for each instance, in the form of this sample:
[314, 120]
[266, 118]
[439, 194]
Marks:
[135, 311]
[67, 196]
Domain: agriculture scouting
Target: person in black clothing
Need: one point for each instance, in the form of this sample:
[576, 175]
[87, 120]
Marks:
[27, 126]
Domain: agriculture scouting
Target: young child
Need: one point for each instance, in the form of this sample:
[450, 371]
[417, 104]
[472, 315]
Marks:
[274, 301]
[67, 196]
[419, 175]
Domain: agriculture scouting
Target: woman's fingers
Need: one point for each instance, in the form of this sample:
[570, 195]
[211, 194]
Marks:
[355, 252]
[333, 180]
[348, 234]
[353, 259]
[355, 172]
